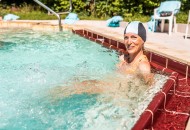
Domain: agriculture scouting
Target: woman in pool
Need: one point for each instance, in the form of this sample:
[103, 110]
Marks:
[135, 63]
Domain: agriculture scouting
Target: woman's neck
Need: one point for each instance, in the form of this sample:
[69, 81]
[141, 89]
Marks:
[133, 57]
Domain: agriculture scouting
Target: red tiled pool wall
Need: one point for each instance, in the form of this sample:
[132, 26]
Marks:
[169, 63]
[104, 41]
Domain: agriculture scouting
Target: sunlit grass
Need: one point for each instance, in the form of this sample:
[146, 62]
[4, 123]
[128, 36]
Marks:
[137, 17]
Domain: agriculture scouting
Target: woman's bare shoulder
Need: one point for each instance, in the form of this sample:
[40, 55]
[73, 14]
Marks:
[144, 67]
[145, 71]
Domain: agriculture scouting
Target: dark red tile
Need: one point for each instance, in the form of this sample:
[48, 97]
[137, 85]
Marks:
[159, 59]
[89, 34]
[114, 43]
[95, 36]
[121, 46]
[85, 32]
[81, 34]
[100, 37]
[79, 31]
[179, 67]
[107, 40]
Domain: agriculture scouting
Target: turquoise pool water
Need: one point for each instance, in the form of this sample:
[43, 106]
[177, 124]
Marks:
[34, 63]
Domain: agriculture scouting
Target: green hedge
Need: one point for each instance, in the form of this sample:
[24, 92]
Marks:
[96, 9]
[103, 8]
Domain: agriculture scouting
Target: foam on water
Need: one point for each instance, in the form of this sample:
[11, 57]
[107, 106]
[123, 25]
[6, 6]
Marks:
[34, 63]
[125, 107]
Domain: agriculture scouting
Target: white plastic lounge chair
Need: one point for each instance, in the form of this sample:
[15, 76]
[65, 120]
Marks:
[188, 23]
[167, 6]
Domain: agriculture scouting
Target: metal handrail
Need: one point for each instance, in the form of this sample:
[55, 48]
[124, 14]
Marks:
[70, 8]
[53, 12]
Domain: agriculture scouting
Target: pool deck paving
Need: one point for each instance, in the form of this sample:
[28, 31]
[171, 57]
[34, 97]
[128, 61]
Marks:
[173, 46]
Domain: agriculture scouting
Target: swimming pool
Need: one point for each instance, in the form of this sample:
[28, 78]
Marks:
[33, 63]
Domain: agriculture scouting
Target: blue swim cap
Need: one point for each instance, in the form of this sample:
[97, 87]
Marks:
[136, 27]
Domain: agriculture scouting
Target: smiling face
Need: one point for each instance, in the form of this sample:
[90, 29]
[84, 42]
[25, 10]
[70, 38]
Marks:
[133, 43]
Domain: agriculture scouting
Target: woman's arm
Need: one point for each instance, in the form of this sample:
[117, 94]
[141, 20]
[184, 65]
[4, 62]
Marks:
[145, 72]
